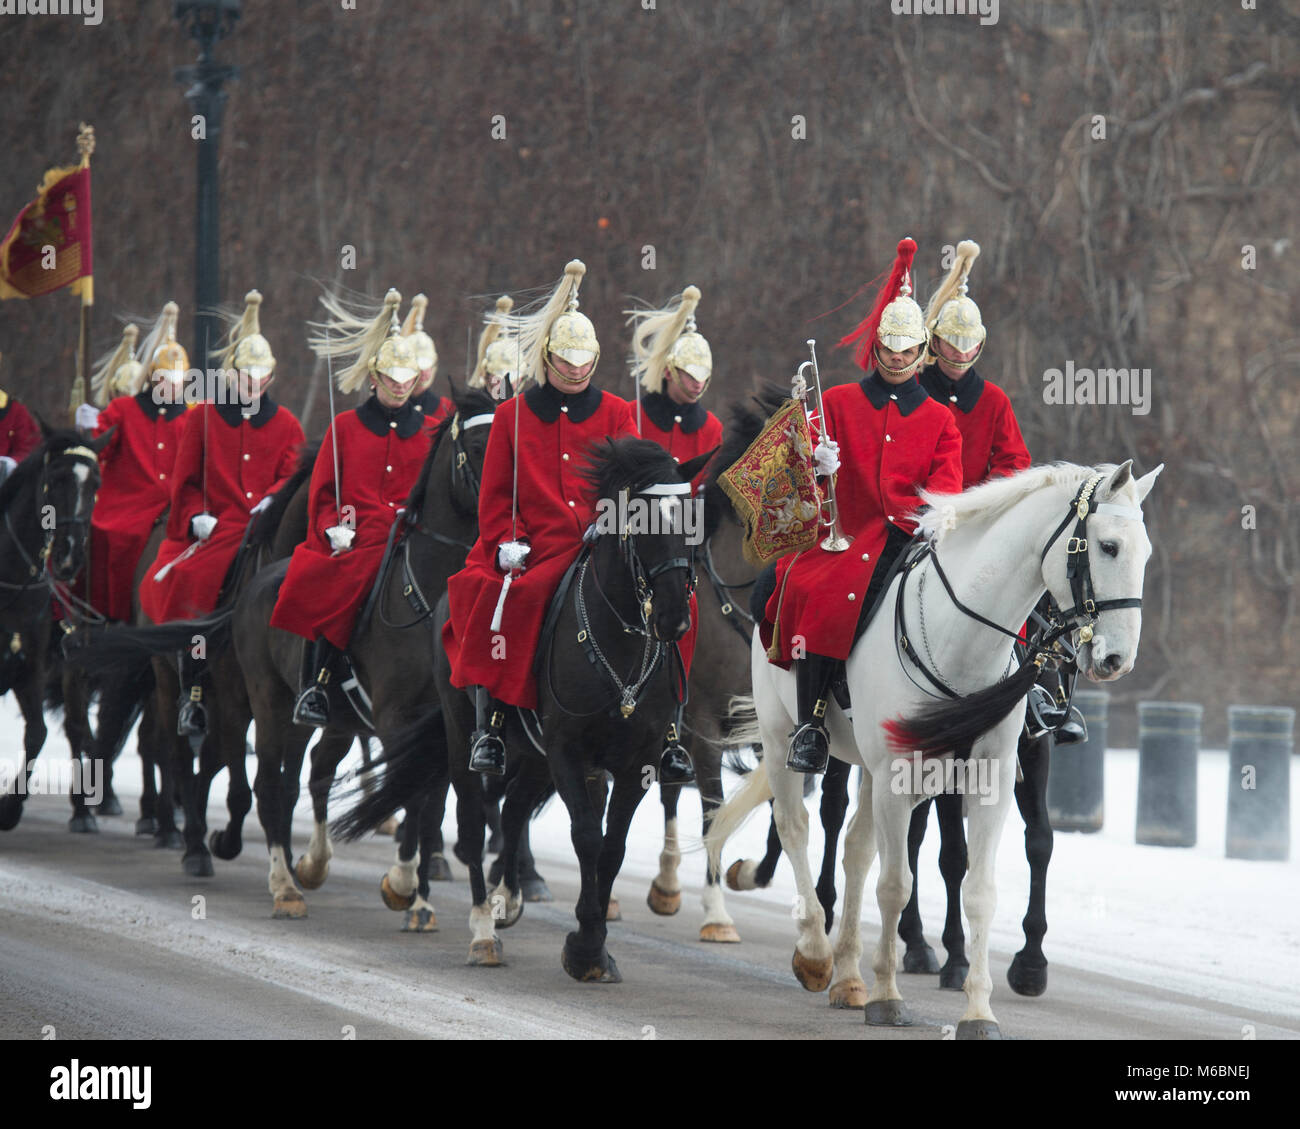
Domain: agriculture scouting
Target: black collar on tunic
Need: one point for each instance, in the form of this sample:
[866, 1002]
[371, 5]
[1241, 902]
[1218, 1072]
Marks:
[667, 414]
[545, 402]
[909, 396]
[427, 402]
[153, 409]
[233, 414]
[406, 421]
[965, 393]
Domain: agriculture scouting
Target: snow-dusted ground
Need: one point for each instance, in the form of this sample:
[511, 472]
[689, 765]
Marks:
[1183, 919]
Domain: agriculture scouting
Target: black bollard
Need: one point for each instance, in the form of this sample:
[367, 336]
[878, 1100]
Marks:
[1259, 782]
[1076, 781]
[1169, 739]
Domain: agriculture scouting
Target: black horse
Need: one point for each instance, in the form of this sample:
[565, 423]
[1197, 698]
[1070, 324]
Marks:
[46, 504]
[628, 597]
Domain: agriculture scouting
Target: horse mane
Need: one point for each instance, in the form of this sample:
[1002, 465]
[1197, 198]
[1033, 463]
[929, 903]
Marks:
[469, 402]
[264, 531]
[55, 443]
[748, 418]
[628, 463]
[999, 494]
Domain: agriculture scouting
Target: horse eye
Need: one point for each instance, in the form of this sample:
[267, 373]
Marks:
[1110, 548]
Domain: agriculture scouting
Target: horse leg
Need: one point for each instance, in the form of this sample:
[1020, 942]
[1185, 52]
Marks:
[665, 896]
[1028, 972]
[433, 860]
[746, 874]
[835, 802]
[521, 797]
[427, 821]
[952, 865]
[280, 748]
[584, 956]
[979, 891]
[718, 926]
[313, 866]
[171, 765]
[147, 743]
[891, 815]
[29, 693]
[918, 957]
[534, 885]
[86, 766]
[598, 790]
[848, 989]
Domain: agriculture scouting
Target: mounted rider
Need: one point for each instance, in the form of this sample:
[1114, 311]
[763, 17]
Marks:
[885, 439]
[528, 540]
[497, 368]
[144, 412]
[352, 504]
[19, 435]
[672, 362]
[234, 454]
[432, 407]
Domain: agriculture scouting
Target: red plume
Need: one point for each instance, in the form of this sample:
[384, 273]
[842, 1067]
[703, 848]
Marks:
[865, 333]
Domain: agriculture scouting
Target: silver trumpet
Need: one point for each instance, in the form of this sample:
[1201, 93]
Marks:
[834, 541]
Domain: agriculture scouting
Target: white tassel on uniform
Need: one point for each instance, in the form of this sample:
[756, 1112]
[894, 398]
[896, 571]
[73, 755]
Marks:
[501, 602]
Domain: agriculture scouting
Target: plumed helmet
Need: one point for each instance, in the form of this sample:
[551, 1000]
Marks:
[895, 320]
[120, 374]
[398, 359]
[413, 327]
[166, 352]
[669, 336]
[951, 314]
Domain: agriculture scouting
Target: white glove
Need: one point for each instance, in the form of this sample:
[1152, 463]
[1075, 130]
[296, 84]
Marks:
[827, 456]
[203, 525]
[512, 554]
[340, 537]
[7, 464]
[87, 417]
[257, 509]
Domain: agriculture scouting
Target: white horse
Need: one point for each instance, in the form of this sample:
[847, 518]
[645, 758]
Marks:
[999, 545]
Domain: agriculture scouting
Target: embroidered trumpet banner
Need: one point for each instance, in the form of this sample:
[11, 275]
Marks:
[49, 244]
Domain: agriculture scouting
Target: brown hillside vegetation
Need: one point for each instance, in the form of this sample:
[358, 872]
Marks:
[1119, 163]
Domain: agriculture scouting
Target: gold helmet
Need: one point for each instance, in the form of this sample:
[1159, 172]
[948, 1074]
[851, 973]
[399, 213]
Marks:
[895, 320]
[669, 337]
[498, 354]
[951, 315]
[413, 327]
[369, 339]
[119, 374]
[398, 358]
[162, 349]
[555, 328]
[246, 350]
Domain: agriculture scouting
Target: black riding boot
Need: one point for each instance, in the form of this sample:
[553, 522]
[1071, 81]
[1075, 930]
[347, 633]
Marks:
[191, 714]
[487, 750]
[810, 747]
[675, 763]
[313, 705]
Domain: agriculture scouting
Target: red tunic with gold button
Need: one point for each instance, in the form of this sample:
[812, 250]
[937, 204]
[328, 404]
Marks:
[683, 430]
[136, 469]
[894, 440]
[19, 435]
[433, 408]
[555, 508]
[242, 460]
[991, 443]
[381, 453]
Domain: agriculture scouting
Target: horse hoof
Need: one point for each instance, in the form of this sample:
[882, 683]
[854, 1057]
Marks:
[146, 825]
[291, 906]
[486, 954]
[420, 921]
[1026, 979]
[110, 805]
[662, 902]
[613, 911]
[849, 994]
[168, 840]
[388, 827]
[197, 864]
[719, 933]
[888, 1013]
[11, 811]
[599, 972]
[733, 875]
[920, 959]
[218, 846]
[536, 890]
[311, 876]
[953, 976]
[440, 869]
[392, 899]
[83, 823]
[813, 974]
[978, 1029]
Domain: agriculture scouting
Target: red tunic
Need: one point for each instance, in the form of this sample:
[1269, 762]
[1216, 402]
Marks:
[555, 508]
[683, 430]
[19, 435]
[991, 443]
[893, 441]
[433, 408]
[136, 470]
[246, 459]
[381, 453]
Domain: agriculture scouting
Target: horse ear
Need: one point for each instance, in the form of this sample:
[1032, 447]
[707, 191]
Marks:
[689, 469]
[1120, 477]
[1147, 481]
[99, 444]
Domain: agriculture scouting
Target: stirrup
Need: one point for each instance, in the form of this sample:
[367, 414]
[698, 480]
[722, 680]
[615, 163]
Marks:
[487, 753]
[675, 762]
[810, 749]
[1073, 731]
[191, 717]
[312, 708]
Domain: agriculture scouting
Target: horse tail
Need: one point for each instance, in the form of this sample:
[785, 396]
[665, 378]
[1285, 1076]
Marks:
[121, 651]
[755, 791]
[954, 726]
[740, 726]
[412, 760]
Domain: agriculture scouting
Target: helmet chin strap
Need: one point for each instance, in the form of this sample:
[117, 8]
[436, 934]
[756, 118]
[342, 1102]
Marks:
[907, 370]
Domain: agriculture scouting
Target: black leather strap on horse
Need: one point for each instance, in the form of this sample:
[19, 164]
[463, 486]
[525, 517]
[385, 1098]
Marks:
[385, 563]
[732, 613]
[553, 612]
